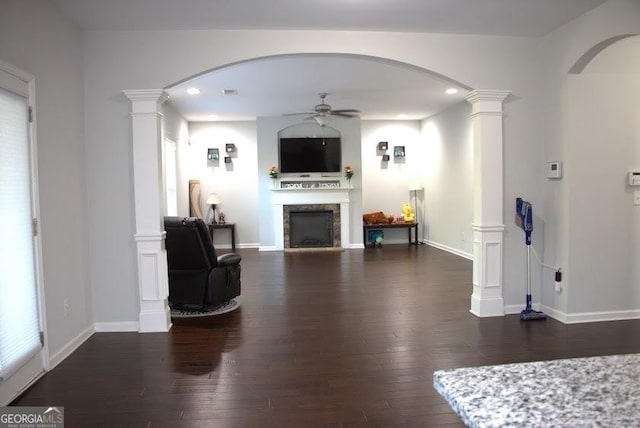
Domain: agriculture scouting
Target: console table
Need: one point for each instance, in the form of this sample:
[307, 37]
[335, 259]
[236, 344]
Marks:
[230, 226]
[408, 226]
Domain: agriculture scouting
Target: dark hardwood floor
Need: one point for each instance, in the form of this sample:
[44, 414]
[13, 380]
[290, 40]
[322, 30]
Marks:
[322, 339]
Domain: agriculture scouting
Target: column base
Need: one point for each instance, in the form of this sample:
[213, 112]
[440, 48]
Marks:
[155, 320]
[487, 306]
[154, 315]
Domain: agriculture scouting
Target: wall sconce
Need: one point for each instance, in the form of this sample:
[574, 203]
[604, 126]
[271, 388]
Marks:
[398, 151]
[213, 154]
[383, 146]
[230, 147]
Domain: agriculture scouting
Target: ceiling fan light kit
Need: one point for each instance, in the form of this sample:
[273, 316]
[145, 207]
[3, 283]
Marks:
[322, 112]
[322, 120]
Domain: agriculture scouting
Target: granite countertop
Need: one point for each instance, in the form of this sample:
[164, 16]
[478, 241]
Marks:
[578, 392]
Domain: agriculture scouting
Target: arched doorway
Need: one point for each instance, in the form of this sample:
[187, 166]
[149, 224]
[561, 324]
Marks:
[488, 224]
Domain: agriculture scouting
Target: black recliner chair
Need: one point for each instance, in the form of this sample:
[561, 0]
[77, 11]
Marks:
[198, 279]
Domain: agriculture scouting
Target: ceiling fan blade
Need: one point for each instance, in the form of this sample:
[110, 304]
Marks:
[349, 115]
[346, 110]
[298, 114]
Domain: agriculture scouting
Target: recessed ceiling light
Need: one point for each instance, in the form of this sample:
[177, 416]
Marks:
[193, 91]
[229, 92]
[451, 91]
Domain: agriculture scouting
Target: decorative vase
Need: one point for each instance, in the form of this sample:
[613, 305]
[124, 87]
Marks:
[194, 199]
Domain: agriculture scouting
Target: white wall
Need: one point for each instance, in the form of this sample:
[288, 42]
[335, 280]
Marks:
[36, 38]
[125, 60]
[533, 69]
[86, 187]
[603, 145]
[442, 163]
[561, 50]
[448, 177]
[234, 183]
[386, 184]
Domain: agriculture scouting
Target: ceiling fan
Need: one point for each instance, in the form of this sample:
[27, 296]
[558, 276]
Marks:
[322, 112]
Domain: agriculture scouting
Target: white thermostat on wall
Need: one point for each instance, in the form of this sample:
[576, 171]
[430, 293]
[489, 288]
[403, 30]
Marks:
[554, 169]
[634, 178]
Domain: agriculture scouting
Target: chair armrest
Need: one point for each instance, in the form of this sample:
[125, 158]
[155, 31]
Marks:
[229, 259]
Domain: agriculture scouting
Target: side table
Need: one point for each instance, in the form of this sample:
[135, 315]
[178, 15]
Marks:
[230, 226]
[408, 226]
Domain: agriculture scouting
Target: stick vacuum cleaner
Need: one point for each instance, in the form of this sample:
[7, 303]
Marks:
[524, 219]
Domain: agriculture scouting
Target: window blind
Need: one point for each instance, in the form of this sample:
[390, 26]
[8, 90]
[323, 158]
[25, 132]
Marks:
[19, 324]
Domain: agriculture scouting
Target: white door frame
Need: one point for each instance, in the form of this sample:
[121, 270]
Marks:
[33, 369]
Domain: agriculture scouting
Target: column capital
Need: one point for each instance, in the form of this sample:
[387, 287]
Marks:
[146, 100]
[487, 95]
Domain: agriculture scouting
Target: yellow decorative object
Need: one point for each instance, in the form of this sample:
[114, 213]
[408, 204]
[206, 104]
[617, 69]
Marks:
[407, 213]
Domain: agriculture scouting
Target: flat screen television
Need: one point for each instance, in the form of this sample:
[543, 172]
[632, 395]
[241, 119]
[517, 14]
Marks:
[310, 154]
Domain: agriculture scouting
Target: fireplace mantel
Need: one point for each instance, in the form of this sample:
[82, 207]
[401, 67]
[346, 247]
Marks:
[310, 196]
[310, 183]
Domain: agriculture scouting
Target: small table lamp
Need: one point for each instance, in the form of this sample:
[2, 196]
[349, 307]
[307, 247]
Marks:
[213, 200]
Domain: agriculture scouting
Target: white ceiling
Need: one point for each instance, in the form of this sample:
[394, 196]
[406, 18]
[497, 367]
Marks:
[275, 86]
[498, 17]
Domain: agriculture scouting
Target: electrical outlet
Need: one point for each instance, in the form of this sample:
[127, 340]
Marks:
[636, 197]
[66, 307]
[558, 281]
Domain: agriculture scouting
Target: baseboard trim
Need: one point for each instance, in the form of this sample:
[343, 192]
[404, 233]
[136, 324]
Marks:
[247, 245]
[513, 309]
[584, 317]
[115, 327]
[448, 249]
[273, 248]
[579, 317]
[548, 311]
[71, 346]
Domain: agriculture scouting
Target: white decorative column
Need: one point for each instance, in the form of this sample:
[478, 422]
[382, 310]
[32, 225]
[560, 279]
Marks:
[146, 124]
[488, 201]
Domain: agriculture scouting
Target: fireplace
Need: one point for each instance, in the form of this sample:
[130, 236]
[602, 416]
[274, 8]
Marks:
[310, 229]
[311, 195]
[311, 226]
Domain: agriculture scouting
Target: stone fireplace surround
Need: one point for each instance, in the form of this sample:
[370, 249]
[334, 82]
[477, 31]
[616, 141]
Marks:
[312, 198]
